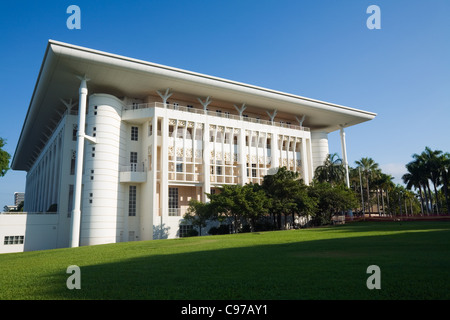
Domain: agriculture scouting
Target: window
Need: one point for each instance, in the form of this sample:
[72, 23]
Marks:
[134, 133]
[133, 161]
[13, 240]
[179, 164]
[74, 132]
[132, 201]
[218, 170]
[253, 170]
[173, 202]
[185, 229]
[72, 162]
[70, 202]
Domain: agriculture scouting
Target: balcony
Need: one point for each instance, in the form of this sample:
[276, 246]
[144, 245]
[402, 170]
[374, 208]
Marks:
[226, 115]
[133, 173]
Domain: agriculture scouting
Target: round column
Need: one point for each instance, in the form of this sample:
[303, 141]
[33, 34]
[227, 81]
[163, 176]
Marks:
[102, 196]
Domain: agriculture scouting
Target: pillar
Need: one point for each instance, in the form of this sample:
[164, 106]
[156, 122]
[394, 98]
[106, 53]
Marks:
[76, 213]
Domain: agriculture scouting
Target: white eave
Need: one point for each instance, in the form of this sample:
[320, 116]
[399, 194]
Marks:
[122, 76]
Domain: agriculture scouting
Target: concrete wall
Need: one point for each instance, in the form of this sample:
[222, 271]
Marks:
[39, 231]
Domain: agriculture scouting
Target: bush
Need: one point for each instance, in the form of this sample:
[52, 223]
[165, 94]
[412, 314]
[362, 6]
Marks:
[191, 233]
[264, 225]
[222, 229]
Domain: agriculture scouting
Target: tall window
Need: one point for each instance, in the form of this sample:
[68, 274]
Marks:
[133, 161]
[173, 202]
[70, 202]
[132, 201]
[179, 164]
[134, 133]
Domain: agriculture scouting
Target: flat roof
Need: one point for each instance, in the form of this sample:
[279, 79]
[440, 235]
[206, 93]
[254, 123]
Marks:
[122, 76]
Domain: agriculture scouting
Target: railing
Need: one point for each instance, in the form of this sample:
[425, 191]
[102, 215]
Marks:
[26, 212]
[138, 106]
[133, 167]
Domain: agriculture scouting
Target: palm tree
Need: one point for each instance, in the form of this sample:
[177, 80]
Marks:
[418, 167]
[384, 182]
[369, 168]
[416, 178]
[432, 159]
[444, 161]
[429, 160]
[331, 171]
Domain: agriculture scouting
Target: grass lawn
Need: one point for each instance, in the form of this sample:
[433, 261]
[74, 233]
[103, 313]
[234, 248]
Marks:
[320, 263]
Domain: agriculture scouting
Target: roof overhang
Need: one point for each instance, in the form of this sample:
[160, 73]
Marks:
[122, 76]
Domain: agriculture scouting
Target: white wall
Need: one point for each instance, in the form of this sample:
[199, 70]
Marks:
[320, 150]
[40, 231]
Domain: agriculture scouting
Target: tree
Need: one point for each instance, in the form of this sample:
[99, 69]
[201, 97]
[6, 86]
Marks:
[369, 169]
[239, 204]
[331, 200]
[384, 182]
[282, 189]
[432, 163]
[4, 158]
[444, 171]
[415, 177]
[332, 170]
[198, 214]
[252, 202]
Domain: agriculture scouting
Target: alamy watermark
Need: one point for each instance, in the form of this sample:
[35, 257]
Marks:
[74, 280]
[374, 21]
[74, 20]
[374, 280]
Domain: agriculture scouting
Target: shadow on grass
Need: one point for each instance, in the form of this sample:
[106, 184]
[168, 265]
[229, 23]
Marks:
[414, 265]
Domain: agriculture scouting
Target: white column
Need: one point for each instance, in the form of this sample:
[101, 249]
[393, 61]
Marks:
[272, 116]
[164, 170]
[274, 151]
[165, 96]
[344, 156]
[76, 212]
[240, 110]
[205, 103]
[206, 162]
[319, 147]
[305, 163]
[242, 157]
[150, 219]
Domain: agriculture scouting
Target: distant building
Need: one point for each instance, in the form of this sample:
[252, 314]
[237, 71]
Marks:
[19, 197]
[151, 138]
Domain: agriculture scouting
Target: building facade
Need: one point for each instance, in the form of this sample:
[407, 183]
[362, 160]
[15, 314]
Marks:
[117, 147]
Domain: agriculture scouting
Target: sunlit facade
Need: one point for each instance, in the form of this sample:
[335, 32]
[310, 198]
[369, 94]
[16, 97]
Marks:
[150, 138]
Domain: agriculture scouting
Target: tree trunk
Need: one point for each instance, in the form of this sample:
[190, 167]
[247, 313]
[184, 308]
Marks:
[421, 199]
[388, 204]
[368, 197]
[430, 197]
[445, 181]
[437, 198]
[426, 199]
[378, 202]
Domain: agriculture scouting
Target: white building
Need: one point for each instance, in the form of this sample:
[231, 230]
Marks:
[148, 138]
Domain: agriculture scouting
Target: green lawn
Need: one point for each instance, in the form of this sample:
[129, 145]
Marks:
[320, 263]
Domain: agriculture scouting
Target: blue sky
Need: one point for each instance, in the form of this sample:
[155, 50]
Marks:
[320, 49]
